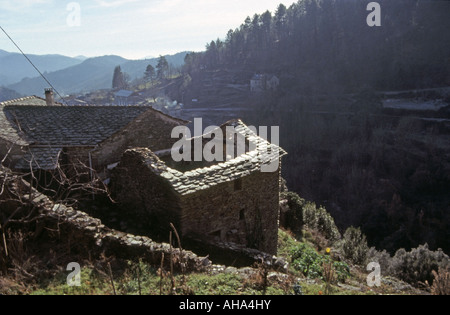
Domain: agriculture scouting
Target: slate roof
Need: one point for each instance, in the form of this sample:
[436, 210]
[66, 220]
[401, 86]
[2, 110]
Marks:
[70, 126]
[204, 178]
[45, 130]
[44, 158]
[124, 93]
[7, 130]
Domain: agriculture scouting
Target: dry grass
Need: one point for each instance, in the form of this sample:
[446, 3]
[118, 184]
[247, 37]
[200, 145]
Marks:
[441, 284]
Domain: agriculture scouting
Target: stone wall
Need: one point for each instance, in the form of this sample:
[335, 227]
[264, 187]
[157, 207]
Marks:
[244, 211]
[146, 199]
[83, 232]
[151, 130]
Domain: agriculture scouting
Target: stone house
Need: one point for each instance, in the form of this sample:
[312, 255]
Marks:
[228, 202]
[264, 82]
[272, 83]
[34, 135]
[258, 83]
[122, 98]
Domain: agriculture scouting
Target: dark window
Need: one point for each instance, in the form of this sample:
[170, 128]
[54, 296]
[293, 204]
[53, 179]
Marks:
[242, 215]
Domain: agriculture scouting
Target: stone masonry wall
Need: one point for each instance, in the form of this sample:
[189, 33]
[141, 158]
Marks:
[151, 130]
[144, 195]
[244, 212]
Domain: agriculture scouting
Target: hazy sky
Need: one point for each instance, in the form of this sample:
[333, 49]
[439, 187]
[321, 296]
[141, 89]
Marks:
[130, 28]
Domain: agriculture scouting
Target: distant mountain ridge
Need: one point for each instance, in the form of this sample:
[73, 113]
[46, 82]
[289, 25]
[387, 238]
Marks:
[79, 75]
[7, 94]
[14, 67]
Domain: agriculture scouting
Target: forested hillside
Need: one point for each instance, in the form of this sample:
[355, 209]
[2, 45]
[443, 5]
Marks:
[325, 46]
[383, 170]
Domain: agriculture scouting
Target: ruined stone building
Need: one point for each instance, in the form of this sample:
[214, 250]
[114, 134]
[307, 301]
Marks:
[38, 135]
[232, 202]
[229, 202]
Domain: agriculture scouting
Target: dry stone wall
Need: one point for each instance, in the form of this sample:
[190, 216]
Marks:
[78, 228]
[244, 212]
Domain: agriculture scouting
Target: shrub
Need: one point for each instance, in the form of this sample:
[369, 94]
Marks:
[354, 246]
[342, 270]
[416, 267]
[313, 265]
[325, 224]
[294, 216]
[303, 214]
[383, 258]
[306, 260]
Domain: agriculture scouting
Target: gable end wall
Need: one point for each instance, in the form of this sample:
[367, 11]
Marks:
[247, 216]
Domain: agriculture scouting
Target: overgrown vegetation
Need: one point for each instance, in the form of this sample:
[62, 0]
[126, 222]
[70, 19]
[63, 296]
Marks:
[354, 246]
[418, 267]
[314, 265]
[305, 216]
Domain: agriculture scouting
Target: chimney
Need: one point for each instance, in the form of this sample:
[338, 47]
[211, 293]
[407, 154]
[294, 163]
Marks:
[49, 97]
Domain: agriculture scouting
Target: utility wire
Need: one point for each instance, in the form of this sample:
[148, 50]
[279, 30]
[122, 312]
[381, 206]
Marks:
[48, 82]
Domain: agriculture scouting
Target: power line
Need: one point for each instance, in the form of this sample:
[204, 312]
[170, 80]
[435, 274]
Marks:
[40, 73]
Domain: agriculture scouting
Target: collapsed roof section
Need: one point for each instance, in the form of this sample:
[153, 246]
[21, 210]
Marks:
[189, 182]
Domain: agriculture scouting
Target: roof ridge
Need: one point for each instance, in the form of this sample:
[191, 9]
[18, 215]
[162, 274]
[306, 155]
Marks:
[4, 103]
[25, 98]
[167, 115]
[7, 103]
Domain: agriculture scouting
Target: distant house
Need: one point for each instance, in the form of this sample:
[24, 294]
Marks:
[36, 136]
[272, 83]
[258, 83]
[264, 82]
[122, 97]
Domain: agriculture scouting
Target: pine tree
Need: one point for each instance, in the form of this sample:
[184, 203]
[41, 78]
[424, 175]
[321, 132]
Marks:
[118, 78]
[162, 68]
[149, 74]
